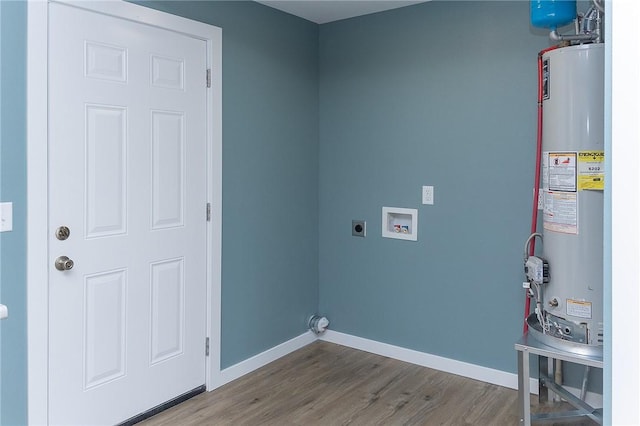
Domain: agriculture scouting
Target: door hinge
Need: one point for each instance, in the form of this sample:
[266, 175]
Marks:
[208, 212]
[208, 78]
[206, 347]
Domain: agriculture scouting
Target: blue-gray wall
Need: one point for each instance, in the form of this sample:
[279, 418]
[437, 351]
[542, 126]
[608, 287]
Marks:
[0, 200]
[270, 172]
[443, 94]
[13, 183]
[270, 182]
[324, 124]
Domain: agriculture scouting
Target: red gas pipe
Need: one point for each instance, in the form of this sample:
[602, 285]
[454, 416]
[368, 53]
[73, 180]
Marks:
[536, 183]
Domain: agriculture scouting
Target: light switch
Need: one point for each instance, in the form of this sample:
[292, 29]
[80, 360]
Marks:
[4, 312]
[6, 217]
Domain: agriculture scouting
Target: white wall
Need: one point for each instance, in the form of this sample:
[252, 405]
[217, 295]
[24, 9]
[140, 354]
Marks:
[623, 354]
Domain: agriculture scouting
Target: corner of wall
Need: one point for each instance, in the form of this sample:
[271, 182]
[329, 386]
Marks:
[13, 373]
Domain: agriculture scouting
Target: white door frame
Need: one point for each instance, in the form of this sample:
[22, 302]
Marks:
[37, 184]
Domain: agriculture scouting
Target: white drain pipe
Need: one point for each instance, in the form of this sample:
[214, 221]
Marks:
[318, 324]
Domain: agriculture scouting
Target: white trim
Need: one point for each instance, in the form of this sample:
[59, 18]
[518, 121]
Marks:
[464, 369]
[214, 192]
[37, 202]
[37, 183]
[247, 366]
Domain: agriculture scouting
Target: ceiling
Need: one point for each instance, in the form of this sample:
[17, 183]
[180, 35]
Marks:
[323, 11]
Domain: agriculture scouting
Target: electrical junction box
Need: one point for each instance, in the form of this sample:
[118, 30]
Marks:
[537, 270]
[359, 228]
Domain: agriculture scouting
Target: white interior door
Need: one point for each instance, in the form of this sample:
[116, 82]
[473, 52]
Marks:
[127, 176]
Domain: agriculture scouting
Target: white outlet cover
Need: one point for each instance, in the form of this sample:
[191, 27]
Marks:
[427, 195]
[6, 217]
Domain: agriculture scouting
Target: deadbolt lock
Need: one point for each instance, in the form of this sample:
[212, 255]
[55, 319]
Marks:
[63, 263]
[62, 233]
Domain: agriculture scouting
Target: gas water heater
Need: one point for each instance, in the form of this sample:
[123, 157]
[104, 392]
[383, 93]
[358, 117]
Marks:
[566, 280]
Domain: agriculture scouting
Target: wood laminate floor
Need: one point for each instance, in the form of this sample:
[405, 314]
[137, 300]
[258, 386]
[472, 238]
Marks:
[328, 384]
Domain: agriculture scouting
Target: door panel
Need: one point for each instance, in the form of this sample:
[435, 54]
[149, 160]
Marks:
[167, 309]
[105, 333]
[168, 169]
[127, 165]
[105, 170]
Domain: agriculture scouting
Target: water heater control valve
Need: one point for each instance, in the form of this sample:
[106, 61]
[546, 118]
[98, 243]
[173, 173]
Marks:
[537, 270]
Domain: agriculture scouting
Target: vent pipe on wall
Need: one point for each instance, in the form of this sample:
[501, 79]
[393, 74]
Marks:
[318, 324]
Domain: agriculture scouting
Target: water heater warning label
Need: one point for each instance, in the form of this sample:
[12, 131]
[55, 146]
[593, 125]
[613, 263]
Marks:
[578, 308]
[559, 171]
[591, 170]
[560, 212]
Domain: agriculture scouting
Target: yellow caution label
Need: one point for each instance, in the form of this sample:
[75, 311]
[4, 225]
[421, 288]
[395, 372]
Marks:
[591, 170]
[579, 308]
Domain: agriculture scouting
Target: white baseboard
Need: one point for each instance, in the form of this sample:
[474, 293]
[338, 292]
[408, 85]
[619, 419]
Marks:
[260, 360]
[447, 365]
[471, 371]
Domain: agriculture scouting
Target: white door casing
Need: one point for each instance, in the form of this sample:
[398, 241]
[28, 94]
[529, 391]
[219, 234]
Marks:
[117, 223]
